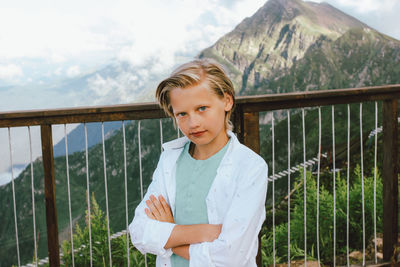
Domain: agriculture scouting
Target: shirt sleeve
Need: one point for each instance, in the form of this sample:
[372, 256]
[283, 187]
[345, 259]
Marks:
[240, 227]
[148, 235]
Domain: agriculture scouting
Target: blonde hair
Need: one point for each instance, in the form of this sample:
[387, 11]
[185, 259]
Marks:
[194, 73]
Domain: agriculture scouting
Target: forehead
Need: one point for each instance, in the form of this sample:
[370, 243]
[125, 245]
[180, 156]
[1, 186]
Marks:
[193, 95]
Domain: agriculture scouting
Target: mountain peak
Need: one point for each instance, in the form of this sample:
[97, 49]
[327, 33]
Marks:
[322, 16]
[276, 36]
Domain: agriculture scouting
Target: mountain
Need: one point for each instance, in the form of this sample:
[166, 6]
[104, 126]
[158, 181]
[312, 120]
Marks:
[76, 138]
[115, 83]
[290, 39]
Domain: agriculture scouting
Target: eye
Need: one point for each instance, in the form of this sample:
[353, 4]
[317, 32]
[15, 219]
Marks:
[181, 114]
[203, 108]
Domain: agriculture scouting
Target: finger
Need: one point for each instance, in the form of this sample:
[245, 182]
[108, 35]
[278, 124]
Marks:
[164, 203]
[149, 214]
[153, 209]
[157, 204]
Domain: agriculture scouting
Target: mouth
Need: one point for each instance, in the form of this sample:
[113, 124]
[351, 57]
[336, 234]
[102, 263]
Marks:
[198, 134]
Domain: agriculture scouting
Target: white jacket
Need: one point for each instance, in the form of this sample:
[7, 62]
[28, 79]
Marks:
[236, 200]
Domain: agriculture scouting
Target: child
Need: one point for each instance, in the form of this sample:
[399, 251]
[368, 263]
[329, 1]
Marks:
[206, 203]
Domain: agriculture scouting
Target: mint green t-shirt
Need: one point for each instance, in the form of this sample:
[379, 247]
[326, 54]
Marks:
[193, 181]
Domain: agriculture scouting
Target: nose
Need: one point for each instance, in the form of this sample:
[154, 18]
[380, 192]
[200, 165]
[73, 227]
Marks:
[194, 121]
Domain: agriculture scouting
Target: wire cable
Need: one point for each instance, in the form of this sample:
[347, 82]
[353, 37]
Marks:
[106, 191]
[13, 194]
[69, 193]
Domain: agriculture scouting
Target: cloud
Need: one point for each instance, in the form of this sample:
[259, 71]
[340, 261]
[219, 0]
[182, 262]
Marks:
[58, 71]
[362, 7]
[367, 6]
[73, 71]
[163, 31]
[127, 86]
[381, 15]
[128, 30]
[90, 31]
[10, 71]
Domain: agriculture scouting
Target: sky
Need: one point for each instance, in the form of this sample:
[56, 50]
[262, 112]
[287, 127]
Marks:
[54, 38]
[47, 41]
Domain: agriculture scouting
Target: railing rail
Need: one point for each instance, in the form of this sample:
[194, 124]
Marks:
[246, 121]
[245, 104]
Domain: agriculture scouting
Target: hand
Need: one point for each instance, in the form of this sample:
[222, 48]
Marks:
[158, 209]
[211, 232]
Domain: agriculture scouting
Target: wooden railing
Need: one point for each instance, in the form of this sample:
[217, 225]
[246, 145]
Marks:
[246, 122]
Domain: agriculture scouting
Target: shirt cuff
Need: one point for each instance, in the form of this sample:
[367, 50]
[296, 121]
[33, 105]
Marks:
[199, 255]
[156, 235]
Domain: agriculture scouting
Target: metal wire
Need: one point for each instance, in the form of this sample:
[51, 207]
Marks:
[375, 159]
[334, 186]
[88, 195]
[33, 196]
[305, 188]
[161, 135]
[318, 174]
[140, 162]
[126, 194]
[141, 176]
[348, 186]
[273, 189]
[69, 192]
[288, 114]
[13, 194]
[106, 191]
[362, 182]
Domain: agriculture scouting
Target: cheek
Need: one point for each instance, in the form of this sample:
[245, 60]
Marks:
[180, 123]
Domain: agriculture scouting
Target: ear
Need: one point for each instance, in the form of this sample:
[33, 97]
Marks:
[228, 102]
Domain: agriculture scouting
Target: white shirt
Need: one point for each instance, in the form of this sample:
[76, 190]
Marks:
[236, 200]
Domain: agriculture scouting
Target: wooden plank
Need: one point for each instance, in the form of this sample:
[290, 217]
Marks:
[371, 92]
[390, 179]
[50, 195]
[299, 101]
[81, 118]
[153, 111]
[82, 110]
[251, 138]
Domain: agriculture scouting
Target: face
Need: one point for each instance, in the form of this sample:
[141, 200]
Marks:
[200, 115]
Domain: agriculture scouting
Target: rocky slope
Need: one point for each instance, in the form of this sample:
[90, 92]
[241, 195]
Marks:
[285, 36]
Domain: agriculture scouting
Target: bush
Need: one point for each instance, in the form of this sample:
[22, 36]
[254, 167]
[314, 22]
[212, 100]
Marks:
[326, 219]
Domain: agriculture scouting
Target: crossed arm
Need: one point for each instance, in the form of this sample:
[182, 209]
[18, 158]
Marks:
[182, 235]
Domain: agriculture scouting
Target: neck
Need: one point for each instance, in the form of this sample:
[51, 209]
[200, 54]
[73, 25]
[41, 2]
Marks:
[204, 152]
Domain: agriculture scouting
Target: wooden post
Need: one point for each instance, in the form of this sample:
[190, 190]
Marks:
[237, 120]
[390, 182]
[50, 195]
[251, 138]
[251, 131]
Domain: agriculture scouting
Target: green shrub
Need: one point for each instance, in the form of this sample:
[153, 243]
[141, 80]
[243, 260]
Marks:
[325, 219]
